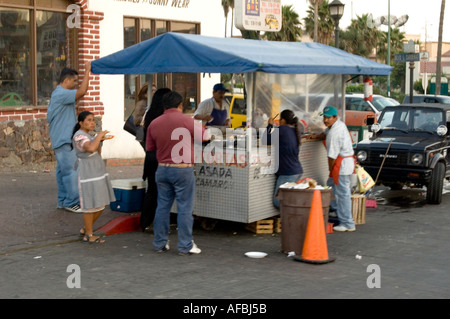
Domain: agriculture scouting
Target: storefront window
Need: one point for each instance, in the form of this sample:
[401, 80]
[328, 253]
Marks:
[15, 78]
[32, 56]
[52, 52]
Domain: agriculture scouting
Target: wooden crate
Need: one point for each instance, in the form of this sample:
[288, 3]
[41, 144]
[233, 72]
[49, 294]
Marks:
[277, 225]
[359, 209]
[264, 226]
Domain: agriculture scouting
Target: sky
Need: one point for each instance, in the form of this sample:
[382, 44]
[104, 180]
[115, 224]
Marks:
[423, 15]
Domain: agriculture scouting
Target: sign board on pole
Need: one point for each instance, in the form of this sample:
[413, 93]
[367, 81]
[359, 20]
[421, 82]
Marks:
[407, 57]
[409, 47]
[258, 15]
[424, 56]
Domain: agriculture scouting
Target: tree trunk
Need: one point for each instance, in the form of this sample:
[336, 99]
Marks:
[316, 17]
[439, 53]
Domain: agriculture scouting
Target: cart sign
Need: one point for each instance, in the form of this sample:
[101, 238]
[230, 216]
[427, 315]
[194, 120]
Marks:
[258, 15]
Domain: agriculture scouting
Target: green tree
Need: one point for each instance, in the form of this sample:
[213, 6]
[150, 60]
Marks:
[315, 4]
[290, 28]
[325, 24]
[359, 38]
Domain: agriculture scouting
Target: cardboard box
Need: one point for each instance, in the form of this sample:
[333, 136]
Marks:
[129, 194]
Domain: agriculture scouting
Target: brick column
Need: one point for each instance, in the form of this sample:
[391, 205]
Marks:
[88, 50]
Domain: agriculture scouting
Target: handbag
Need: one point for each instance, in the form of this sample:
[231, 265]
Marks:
[133, 129]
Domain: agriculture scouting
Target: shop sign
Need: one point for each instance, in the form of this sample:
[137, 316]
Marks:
[258, 15]
[163, 3]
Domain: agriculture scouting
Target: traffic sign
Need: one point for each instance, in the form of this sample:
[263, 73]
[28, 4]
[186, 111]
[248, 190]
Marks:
[407, 57]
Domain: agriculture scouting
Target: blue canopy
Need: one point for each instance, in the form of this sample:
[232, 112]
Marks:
[190, 53]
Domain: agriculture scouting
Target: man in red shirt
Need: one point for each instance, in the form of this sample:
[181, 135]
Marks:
[172, 136]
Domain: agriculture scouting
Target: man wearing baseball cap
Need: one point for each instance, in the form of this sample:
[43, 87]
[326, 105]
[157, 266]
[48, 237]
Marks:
[341, 163]
[215, 110]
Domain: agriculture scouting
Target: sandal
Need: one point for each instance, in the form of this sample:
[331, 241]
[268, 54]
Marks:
[86, 239]
[82, 232]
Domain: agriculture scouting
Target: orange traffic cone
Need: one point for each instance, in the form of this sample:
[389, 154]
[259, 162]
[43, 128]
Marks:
[315, 250]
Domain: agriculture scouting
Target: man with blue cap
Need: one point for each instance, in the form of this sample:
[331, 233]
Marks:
[341, 163]
[215, 110]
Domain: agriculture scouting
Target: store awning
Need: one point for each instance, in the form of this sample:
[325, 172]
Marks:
[189, 53]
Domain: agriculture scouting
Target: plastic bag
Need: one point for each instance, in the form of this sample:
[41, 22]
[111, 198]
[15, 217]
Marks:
[365, 181]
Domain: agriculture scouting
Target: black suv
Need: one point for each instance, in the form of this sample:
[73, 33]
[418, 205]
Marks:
[411, 145]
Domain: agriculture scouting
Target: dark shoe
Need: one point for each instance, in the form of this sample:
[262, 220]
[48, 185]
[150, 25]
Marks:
[164, 249]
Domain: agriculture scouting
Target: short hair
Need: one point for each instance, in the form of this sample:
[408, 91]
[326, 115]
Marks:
[67, 72]
[172, 100]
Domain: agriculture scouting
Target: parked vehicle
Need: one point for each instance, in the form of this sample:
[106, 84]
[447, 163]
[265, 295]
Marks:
[422, 98]
[238, 110]
[357, 110]
[410, 146]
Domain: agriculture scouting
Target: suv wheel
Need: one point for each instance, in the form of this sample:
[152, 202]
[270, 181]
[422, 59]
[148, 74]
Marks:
[434, 188]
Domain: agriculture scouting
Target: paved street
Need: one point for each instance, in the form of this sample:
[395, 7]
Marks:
[404, 242]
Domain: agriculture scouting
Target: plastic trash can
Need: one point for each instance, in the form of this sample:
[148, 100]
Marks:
[295, 207]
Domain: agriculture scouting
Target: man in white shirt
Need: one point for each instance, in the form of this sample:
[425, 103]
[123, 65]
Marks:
[341, 163]
[215, 110]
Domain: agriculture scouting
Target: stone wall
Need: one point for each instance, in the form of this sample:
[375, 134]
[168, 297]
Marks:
[24, 142]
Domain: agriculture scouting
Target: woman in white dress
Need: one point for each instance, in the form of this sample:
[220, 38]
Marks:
[93, 181]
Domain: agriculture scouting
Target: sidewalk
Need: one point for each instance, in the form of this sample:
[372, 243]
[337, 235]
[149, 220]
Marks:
[405, 238]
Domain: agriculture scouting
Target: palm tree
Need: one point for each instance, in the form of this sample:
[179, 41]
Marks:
[231, 3]
[325, 23]
[226, 9]
[316, 4]
[439, 53]
[359, 38]
[290, 27]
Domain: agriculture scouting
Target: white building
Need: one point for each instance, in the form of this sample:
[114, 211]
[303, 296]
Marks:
[40, 37]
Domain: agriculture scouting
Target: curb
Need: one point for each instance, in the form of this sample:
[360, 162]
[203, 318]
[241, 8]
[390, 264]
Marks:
[122, 224]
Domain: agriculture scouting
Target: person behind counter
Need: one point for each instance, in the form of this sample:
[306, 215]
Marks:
[175, 174]
[341, 163]
[289, 166]
[215, 110]
[151, 163]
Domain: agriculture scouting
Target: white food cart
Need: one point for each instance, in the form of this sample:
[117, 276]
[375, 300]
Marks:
[278, 75]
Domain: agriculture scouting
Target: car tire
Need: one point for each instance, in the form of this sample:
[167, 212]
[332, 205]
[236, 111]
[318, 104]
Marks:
[434, 188]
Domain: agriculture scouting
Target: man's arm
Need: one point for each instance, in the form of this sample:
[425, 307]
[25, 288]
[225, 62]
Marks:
[85, 84]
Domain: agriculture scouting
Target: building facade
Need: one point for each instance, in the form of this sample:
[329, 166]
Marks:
[40, 37]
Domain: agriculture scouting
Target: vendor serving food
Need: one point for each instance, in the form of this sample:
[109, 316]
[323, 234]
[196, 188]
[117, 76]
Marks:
[215, 110]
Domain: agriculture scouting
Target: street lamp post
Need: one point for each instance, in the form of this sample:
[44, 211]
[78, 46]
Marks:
[336, 12]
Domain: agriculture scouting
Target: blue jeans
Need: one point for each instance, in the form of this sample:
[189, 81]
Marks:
[178, 184]
[281, 179]
[66, 176]
[342, 202]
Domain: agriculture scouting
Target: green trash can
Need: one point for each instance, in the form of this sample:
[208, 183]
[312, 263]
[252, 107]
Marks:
[295, 207]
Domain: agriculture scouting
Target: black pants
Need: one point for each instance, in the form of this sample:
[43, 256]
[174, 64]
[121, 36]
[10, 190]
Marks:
[151, 195]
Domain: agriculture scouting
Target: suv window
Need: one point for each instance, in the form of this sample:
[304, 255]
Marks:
[423, 119]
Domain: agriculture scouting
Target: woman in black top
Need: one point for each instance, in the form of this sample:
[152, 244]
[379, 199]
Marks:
[151, 163]
[288, 149]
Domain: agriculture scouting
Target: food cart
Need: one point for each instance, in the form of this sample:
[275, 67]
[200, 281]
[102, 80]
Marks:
[235, 173]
